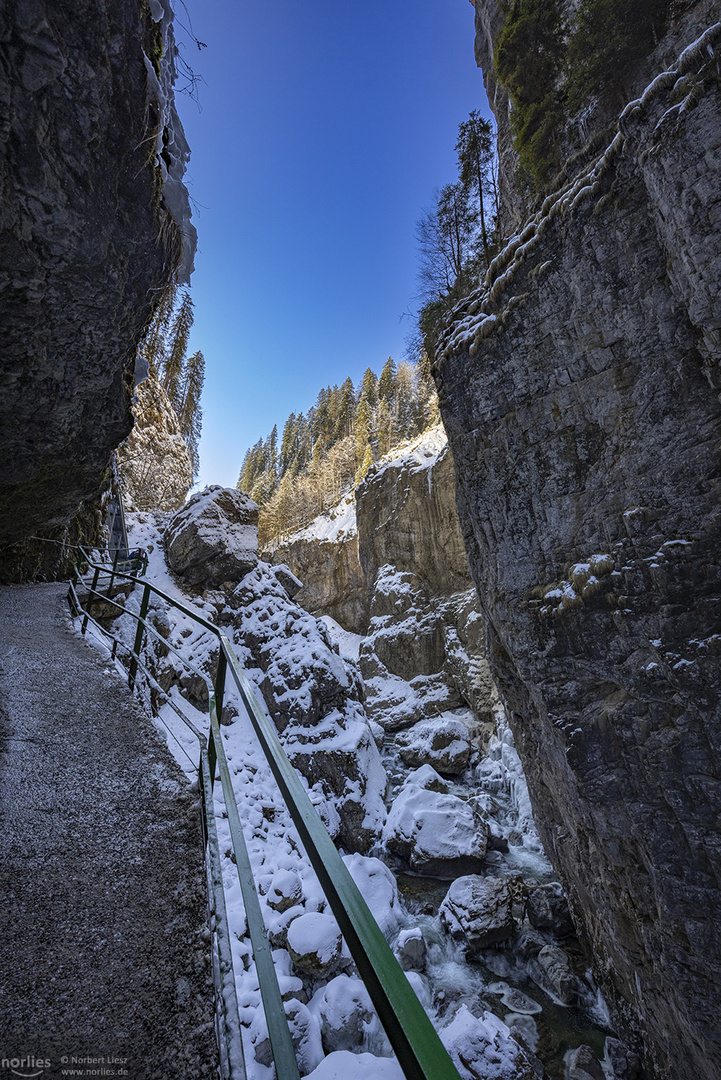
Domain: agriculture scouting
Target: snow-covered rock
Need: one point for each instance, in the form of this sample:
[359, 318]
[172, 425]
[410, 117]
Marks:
[443, 742]
[213, 539]
[483, 1048]
[314, 698]
[478, 912]
[346, 1013]
[432, 831]
[285, 892]
[378, 887]
[314, 943]
[411, 949]
[345, 1065]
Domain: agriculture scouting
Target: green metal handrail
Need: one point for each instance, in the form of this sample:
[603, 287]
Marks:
[232, 1063]
[418, 1048]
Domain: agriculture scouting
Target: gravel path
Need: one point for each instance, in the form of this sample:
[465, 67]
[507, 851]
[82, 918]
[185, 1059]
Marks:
[102, 951]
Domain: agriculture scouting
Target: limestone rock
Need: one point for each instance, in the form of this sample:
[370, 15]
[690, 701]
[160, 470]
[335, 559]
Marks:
[285, 576]
[582, 1064]
[87, 243]
[213, 540]
[552, 970]
[346, 1012]
[625, 1063]
[580, 390]
[443, 743]
[433, 832]
[547, 909]
[154, 462]
[407, 517]
[314, 943]
[325, 559]
[478, 912]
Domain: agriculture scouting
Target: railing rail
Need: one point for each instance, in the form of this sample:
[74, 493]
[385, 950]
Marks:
[420, 1053]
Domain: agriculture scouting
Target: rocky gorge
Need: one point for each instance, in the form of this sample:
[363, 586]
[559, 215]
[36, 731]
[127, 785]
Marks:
[579, 388]
[415, 777]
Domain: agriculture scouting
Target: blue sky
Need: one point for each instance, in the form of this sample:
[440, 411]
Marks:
[325, 127]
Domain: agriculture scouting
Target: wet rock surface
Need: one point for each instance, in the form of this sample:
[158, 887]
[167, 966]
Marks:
[580, 395]
[478, 911]
[79, 192]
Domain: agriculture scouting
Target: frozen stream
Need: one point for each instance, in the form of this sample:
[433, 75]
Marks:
[546, 1026]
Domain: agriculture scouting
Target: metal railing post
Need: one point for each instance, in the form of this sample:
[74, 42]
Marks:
[112, 572]
[220, 685]
[139, 636]
[92, 591]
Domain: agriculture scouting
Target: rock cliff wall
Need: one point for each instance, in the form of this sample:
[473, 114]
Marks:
[155, 466]
[580, 391]
[403, 514]
[91, 215]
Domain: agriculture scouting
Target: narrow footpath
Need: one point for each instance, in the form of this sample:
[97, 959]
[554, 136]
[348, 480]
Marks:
[104, 962]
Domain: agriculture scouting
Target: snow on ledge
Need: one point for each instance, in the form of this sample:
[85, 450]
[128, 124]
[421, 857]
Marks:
[339, 522]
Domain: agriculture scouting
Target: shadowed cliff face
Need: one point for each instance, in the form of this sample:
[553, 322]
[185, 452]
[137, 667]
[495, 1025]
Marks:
[81, 250]
[580, 391]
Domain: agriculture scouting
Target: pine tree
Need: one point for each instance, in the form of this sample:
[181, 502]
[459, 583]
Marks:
[190, 415]
[273, 453]
[364, 465]
[346, 410]
[387, 381]
[363, 426]
[476, 149]
[154, 345]
[386, 426]
[171, 368]
[369, 387]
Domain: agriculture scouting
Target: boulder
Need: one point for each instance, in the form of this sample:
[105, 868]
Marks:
[413, 646]
[432, 831]
[314, 943]
[483, 1046]
[285, 577]
[285, 891]
[625, 1064]
[478, 912]
[443, 742]
[377, 885]
[582, 1064]
[547, 909]
[213, 540]
[553, 971]
[411, 949]
[345, 1012]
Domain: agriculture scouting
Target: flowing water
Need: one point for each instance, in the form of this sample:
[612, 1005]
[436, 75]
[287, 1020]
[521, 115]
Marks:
[498, 980]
